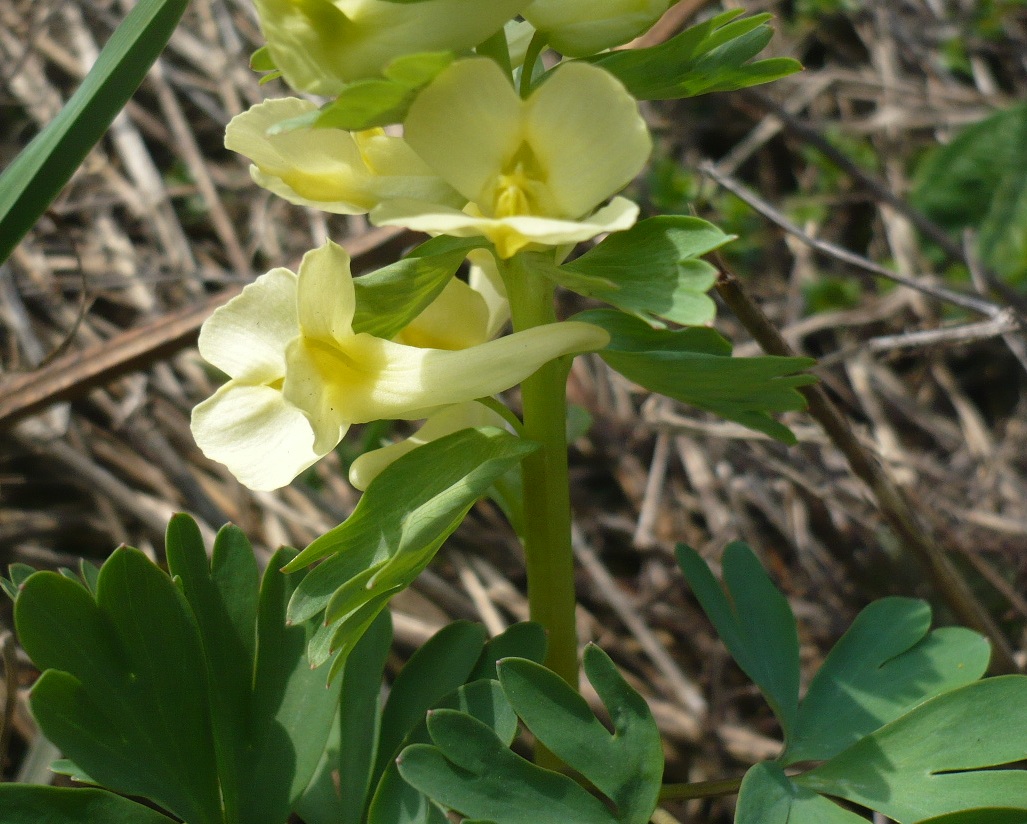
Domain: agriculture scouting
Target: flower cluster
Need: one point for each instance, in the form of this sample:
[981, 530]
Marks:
[516, 160]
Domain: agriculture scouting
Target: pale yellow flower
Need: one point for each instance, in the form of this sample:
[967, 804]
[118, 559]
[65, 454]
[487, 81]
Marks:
[533, 170]
[321, 45]
[330, 169]
[300, 376]
[578, 28]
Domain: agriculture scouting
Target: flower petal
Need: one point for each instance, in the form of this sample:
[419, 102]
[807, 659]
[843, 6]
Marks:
[466, 125]
[316, 383]
[586, 133]
[246, 338]
[509, 234]
[444, 422]
[456, 319]
[376, 379]
[484, 278]
[330, 169]
[264, 441]
[326, 299]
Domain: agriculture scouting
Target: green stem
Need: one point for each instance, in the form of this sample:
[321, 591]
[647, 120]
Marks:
[496, 47]
[547, 507]
[700, 789]
[535, 48]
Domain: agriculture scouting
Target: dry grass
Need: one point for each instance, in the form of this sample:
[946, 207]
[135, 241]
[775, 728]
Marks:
[99, 305]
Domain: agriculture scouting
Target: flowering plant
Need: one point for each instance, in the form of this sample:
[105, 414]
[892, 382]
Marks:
[450, 117]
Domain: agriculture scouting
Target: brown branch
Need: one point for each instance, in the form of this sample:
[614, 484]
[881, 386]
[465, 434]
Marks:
[72, 375]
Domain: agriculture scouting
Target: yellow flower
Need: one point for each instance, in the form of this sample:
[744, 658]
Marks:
[532, 170]
[300, 376]
[321, 45]
[578, 28]
[330, 169]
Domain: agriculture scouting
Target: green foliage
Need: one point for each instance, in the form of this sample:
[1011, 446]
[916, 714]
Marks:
[712, 56]
[652, 270]
[378, 101]
[188, 690]
[394, 532]
[35, 177]
[695, 366]
[933, 760]
[31, 804]
[896, 714]
[754, 621]
[389, 298]
[470, 769]
[979, 181]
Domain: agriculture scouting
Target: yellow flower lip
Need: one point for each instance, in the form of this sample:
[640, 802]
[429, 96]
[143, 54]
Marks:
[300, 375]
[532, 170]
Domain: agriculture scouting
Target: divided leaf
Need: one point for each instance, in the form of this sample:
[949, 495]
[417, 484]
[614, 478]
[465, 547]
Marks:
[885, 664]
[754, 621]
[709, 57]
[979, 181]
[652, 270]
[767, 796]
[397, 527]
[627, 766]
[389, 298]
[470, 769]
[695, 366]
[191, 692]
[935, 760]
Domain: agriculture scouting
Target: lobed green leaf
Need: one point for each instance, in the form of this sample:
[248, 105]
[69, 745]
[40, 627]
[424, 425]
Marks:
[884, 665]
[695, 366]
[754, 621]
[936, 760]
[709, 57]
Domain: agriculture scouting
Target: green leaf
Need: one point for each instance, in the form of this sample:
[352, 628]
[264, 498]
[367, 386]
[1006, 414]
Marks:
[651, 270]
[694, 366]
[223, 597]
[885, 664]
[339, 791]
[979, 181]
[754, 621]
[36, 176]
[389, 298]
[365, 104]
[394, 532]
[191, 692]
[526, 639]
[709, 57]
[33, 804]
[934, 760]
[768, 797]
[291, 711]
[471, 770]
[1005, 815]
[396, 801]
[627, 766]
[126, 704]
[439, 667]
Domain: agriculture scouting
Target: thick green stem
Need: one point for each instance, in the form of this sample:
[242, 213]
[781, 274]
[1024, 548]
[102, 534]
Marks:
[547, 507]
